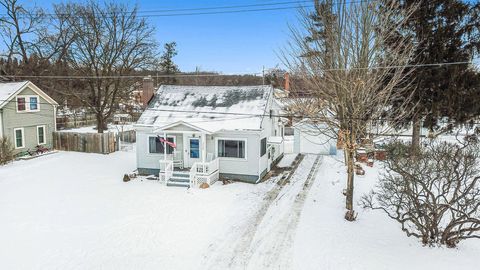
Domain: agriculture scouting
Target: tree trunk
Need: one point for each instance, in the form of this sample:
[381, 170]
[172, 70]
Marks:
[416, 134]
[349, 151]
[100, 123]
[350, 178]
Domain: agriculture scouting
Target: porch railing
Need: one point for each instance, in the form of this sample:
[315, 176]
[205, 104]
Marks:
[166, 170]
[204, 172]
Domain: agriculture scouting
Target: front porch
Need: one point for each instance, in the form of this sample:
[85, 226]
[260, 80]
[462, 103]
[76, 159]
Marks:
[186, 160]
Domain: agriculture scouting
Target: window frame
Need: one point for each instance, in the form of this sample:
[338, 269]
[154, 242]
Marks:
[155, 153]
[15, 138]
[27, 103]
[263, 146]
[24, 103]
[44, 135]
[245, 158]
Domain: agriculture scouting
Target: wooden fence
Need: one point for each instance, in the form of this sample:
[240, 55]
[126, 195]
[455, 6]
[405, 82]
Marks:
[102, 143]
[128, 136]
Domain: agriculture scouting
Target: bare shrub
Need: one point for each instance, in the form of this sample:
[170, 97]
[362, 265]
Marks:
[6, 151]
[435, 196]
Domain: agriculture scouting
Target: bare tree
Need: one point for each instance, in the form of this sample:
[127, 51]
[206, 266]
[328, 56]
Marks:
[348, 74]
[16, 24]
[436, 198]
[109, 42]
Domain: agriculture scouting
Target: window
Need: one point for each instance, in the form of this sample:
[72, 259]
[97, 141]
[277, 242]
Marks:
[28, 104]
[21, 104]
[19, 138]
[156, 146]
[263, 147]
[41, 135]
[231, 148]
[33, 103]
[194, 148]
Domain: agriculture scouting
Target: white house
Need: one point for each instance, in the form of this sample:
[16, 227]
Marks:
[213, 131]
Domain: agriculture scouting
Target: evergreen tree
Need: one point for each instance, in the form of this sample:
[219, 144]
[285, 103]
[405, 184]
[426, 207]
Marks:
[167, 66]
[446, 31]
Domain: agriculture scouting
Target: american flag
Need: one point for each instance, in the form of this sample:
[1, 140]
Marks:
[167, 142]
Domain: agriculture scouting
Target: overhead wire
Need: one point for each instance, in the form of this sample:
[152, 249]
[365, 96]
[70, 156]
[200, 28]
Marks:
[252, 115]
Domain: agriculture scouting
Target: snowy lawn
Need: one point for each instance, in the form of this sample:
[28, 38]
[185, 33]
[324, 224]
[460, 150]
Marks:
[72, 211]
[325, 240]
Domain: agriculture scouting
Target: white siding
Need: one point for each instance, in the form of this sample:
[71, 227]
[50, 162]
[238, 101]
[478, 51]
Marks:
[147, 160]
[248, 166]
[309, 140]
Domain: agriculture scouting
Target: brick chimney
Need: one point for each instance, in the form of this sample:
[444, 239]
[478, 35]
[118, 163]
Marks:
[287, 81]
[147, 90]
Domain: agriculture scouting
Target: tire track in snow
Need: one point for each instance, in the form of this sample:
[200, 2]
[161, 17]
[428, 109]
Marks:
[266, 239]
[272, 248]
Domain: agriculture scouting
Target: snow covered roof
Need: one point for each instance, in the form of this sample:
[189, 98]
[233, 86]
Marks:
[210, 108]
[9, 89]
[274, 140]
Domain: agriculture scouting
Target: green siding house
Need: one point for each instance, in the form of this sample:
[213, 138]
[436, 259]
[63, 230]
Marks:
[27, 115]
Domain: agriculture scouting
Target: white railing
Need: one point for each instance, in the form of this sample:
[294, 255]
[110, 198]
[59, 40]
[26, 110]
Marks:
[166, 170]
[207, 168]
[204, 172]
[193, 175]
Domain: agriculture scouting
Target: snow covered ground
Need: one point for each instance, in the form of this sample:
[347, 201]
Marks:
[72, 211]
[287, 160]
[324, 240]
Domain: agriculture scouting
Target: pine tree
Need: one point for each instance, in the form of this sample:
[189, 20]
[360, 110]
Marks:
[446, 31]
[167, 66]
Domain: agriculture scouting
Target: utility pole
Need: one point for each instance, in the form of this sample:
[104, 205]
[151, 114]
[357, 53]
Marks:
[263, 75]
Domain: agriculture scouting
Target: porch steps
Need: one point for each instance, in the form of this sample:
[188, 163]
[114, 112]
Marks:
[179, 179]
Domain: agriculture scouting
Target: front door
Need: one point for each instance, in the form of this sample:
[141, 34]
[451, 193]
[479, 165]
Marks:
[193, 151]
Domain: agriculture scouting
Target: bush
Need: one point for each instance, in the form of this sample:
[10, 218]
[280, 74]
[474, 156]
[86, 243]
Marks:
[6, 151]
[435, 195]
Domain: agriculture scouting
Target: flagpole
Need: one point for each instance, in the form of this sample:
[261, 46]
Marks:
[165, 146]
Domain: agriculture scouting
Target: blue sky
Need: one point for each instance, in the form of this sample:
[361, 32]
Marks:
[228, 43]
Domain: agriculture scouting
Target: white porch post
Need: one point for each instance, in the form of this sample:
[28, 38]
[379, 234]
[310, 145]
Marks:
[165, 146]
[204, 146]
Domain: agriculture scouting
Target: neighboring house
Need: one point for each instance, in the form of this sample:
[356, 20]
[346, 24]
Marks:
[313, 138]
[27, 115]
[231, 131]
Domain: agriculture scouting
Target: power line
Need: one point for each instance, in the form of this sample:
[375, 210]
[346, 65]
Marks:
[168, 12]
[196, 9]
[250, 115]
[220, 12]
[220, 75]
[124, 76]
[54, 16]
